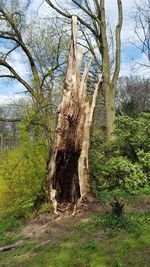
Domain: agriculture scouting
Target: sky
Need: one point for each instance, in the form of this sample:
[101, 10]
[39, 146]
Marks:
[10, 90]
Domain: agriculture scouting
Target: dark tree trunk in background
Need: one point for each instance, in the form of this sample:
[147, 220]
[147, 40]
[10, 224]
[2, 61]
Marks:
[69, 168]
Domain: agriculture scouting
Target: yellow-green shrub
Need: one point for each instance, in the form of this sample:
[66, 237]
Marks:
[22, 178]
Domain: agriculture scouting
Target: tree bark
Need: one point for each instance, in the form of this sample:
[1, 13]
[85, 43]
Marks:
[109, 84]
[69, 168]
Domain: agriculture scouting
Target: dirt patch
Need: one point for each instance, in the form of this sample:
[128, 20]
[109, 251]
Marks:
[54, 227]
[49, 226]
[35, 231]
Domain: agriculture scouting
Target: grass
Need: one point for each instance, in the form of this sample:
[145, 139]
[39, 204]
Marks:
[100, 242]
[9, 230]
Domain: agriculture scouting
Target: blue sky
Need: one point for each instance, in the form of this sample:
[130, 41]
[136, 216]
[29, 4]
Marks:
[10, 88]
[129, 52]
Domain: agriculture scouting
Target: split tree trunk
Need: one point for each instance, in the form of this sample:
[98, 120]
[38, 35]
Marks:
[69, 168]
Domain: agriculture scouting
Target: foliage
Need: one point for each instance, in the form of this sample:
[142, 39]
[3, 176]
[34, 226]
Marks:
[144, 160]
[119, 172]
[46, 207]
[122, 166]
[133, 135]
[22, 178]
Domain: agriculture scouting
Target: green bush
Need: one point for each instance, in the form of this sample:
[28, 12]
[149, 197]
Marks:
[133, 135]
[144, 160]
[122, 173]
[22, 179]
[123, 165]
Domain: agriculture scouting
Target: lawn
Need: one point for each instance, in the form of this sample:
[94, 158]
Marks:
[97, 241]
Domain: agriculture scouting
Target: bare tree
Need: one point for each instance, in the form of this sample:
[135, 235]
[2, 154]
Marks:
[133, 95]
[92, 17]
[140, 17]
[43, 61]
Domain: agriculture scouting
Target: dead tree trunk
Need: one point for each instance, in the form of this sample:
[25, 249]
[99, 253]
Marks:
[69, 168]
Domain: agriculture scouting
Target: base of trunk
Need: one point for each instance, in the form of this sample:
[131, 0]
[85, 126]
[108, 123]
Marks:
[66, 181]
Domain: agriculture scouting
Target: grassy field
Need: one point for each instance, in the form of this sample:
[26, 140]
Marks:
[98, 240]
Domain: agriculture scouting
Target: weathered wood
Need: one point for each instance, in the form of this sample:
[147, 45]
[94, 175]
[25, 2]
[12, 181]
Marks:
[83, 167]
[9, 247]
[69, 168]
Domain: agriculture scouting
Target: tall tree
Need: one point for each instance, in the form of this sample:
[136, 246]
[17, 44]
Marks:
[69, 169]
[93, 19]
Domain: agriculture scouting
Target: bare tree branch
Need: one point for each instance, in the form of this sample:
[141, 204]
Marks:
[65, 14]
[10, 51]
[18, 77]
[87, 11]
[7, 76]
[18, 38]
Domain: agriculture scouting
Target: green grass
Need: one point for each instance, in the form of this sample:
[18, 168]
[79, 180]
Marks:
[9, 230]
[95, 243]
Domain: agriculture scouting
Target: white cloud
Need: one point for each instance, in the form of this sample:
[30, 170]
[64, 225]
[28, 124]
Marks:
[125, 70]
[5, 100]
